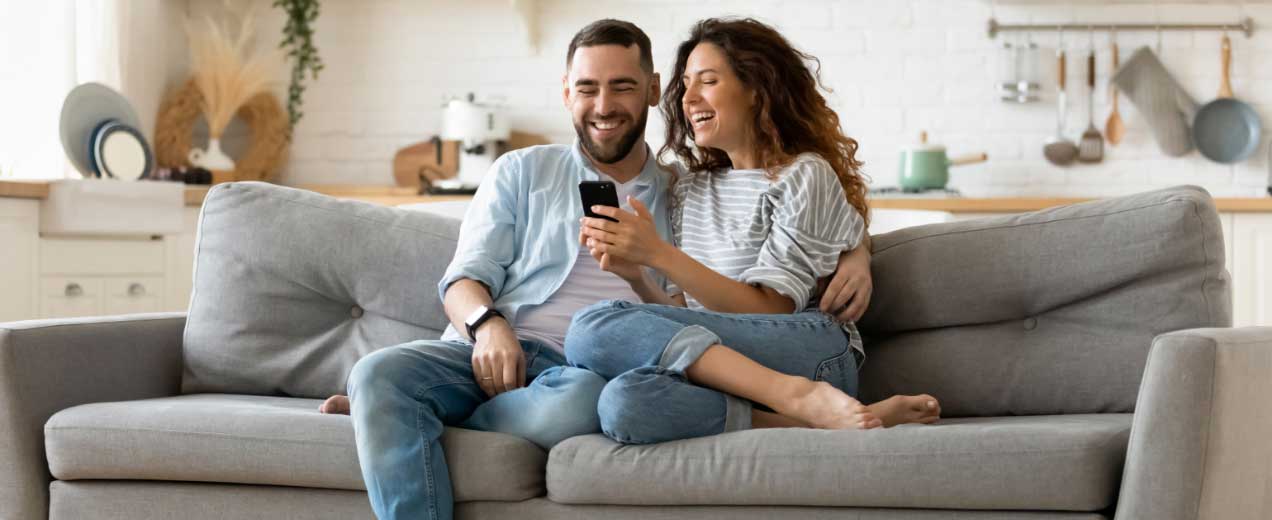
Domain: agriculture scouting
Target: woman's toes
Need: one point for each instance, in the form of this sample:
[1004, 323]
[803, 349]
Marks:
[930, 405]
[336, 404]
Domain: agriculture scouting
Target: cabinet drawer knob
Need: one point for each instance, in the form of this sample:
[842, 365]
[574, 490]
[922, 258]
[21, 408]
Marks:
[136, 289]
[73, 289]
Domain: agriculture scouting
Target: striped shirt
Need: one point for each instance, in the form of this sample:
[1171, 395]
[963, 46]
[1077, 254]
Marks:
[784, 234]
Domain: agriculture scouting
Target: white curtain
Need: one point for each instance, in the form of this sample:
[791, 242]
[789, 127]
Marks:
[47, 48]
[99, 53]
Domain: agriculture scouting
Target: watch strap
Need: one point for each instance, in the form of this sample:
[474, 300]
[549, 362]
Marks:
[481, 320]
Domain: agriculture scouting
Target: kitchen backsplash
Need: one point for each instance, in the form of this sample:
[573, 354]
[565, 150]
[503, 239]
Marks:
[896, 67]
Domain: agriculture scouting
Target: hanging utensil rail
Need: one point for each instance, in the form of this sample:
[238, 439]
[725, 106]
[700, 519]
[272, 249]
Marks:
[1246, 26]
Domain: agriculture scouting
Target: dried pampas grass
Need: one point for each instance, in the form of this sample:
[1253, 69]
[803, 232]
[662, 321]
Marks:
[223, 72]
[263, 114]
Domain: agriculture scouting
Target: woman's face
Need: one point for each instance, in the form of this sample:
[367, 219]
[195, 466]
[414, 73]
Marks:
[719, 107]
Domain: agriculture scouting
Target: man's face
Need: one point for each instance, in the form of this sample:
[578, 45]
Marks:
[609, 96]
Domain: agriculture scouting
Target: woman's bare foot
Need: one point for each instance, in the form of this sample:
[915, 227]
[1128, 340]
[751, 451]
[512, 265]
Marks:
[904, 409]
[335, 404]
[820, 405]
[762, 419]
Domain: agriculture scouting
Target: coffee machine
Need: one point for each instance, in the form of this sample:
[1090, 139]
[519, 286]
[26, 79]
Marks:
[482, 132]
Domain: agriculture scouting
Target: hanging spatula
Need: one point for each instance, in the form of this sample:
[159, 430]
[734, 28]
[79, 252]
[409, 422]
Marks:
[1091, 147]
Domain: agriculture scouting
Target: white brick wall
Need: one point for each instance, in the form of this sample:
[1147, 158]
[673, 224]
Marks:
[897, 67]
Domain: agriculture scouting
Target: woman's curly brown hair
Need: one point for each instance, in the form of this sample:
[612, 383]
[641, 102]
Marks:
[791, 116]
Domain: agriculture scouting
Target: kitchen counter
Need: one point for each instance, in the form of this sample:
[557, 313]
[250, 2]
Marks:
[24, 189]
[394, 195]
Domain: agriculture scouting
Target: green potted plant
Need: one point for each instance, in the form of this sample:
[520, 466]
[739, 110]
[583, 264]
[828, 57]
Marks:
[298, 36]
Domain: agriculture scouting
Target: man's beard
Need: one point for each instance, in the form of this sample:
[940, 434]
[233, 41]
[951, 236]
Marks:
[625, 143]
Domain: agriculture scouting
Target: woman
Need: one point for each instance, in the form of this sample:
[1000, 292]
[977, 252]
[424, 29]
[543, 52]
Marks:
[769, 194]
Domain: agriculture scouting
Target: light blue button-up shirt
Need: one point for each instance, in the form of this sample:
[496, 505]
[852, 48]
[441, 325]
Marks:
[520, 234]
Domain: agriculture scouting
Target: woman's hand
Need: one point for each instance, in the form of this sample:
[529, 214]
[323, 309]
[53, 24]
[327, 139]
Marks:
[633, 238]
[631, 272]
[848, 294]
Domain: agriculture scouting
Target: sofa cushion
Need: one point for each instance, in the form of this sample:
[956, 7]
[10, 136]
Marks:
[1049, 312]
[262, 440]
[131, 500]
[291, 288]
[1057, 463]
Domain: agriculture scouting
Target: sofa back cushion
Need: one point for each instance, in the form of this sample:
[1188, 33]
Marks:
[1048, 312]
[291, 288]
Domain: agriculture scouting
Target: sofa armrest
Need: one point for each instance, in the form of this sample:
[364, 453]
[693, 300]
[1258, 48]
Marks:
[50, 365]
[1199, 444]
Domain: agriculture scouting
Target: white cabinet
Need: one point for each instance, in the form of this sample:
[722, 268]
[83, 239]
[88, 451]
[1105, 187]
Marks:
[82, 276]
[69, 296]
[62, 276]
[101, 256]
[1251, 269]
[87, 295]
[131, 295]
[19, 232]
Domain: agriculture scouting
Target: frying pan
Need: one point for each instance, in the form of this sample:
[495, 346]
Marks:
[1226, 130]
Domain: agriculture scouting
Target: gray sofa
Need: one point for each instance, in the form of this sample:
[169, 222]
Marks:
[1041, 333]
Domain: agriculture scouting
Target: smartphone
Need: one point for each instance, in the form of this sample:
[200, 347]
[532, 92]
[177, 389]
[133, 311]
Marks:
[598, 193]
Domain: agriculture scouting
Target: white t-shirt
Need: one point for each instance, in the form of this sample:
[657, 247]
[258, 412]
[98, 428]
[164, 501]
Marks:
[585, 285]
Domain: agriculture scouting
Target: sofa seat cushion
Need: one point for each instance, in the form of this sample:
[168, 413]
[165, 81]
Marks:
[280, 441]
[1057, 463]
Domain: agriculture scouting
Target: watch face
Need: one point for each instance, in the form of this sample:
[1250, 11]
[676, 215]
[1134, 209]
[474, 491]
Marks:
[476, 315]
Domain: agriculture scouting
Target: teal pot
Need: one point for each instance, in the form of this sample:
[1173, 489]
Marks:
[926, 167]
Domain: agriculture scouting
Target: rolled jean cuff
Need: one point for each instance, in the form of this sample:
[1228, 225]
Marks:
[737, 414]
[686, 347]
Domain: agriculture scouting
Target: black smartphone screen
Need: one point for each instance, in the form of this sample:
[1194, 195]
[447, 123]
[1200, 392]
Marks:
[598, 193]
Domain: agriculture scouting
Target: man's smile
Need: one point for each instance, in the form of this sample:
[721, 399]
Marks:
[606, 128]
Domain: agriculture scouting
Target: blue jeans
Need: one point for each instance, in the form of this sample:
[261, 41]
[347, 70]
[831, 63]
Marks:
[403, 396]
[643, 351]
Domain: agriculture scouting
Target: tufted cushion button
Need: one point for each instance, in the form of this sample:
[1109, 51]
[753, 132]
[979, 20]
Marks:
[1031, 323]
[356, 312]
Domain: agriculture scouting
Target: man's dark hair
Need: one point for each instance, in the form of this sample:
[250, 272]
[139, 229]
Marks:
[613, 32]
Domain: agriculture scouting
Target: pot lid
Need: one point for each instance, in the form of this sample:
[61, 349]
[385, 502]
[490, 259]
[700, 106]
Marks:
[923, 145]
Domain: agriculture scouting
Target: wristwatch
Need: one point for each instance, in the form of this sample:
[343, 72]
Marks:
[479, 317]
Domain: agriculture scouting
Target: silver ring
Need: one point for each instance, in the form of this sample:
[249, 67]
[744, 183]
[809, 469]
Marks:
[487, 379]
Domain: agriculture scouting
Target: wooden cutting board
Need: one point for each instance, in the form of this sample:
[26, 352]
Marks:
[421, 159]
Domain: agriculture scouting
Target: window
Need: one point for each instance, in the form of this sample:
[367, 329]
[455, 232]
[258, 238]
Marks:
[47, 48]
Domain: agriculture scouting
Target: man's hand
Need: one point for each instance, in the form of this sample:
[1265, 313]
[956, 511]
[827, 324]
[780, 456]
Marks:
[848, 294]
[499, 365]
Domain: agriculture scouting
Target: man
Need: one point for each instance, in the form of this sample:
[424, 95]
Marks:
[517, 277]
